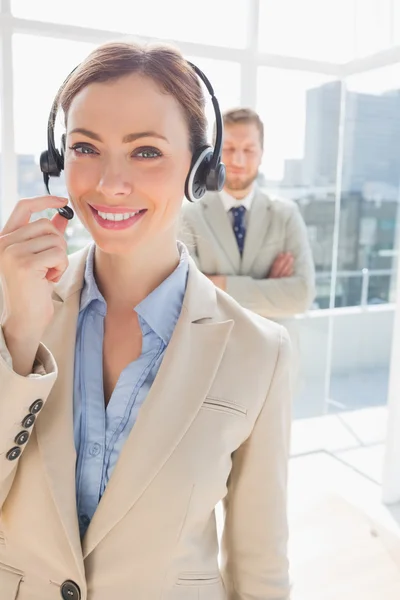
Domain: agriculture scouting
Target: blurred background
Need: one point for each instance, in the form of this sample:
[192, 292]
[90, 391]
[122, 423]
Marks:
[324, 76]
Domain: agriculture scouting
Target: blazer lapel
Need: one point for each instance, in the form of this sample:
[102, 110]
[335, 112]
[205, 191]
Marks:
[218, 220]
[259, 220]
[54, 427]
[185, 376]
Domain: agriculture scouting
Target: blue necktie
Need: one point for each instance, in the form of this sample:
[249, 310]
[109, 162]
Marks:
[239, 229]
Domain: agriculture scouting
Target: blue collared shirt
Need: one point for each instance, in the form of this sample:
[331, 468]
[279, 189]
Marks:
[100, 432]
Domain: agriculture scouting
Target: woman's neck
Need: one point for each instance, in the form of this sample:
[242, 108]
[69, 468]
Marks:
[125, 280]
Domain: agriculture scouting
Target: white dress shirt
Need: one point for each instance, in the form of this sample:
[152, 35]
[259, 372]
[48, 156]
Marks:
[230, 202]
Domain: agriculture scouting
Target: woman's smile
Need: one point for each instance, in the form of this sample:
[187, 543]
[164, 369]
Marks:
[116, 218]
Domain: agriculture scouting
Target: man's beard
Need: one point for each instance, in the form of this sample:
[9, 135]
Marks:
[238, 185]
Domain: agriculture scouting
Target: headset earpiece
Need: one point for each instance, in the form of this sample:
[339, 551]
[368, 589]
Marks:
[207, 172]
[52, 162]
[216, 178]
[195, 185]
[202, 178]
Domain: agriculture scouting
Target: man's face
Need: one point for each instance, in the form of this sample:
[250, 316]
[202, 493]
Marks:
[242, 154]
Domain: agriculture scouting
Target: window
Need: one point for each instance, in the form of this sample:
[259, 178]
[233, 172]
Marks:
[370, 184]
[224, 76]
[176, 19]
[292, 106]
[301, 111]
[313, 29]
[36, 86]
[282, 101]
[373, 27]
[367, 239]
[34, 92]
[334, 31]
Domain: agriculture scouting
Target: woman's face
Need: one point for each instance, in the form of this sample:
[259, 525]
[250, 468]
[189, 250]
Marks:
[127, 154]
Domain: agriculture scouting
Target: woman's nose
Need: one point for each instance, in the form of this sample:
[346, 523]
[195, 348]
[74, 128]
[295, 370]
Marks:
[114, 181]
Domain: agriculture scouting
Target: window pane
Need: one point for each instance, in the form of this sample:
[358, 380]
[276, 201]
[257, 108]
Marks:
[293, 164]
[334, 30]
[33, 97]
[292, 135]
[282, 102]
[367, 239]
[370, 183]
[224, 76]
[308, 28]
[396, 22]
[173, 19]
[373, 26]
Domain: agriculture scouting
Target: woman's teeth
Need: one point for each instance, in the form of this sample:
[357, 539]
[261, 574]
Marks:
[117, 217]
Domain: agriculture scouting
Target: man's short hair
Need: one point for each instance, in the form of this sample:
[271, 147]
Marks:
[244, 115]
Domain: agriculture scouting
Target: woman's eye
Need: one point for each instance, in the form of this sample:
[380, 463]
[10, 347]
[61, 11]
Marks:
[82, 149]
[147, 153]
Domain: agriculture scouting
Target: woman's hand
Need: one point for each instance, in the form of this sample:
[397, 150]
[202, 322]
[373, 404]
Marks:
[32, 257]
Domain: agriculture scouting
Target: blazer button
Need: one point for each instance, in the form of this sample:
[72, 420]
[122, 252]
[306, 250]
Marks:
[36, 407]
[22, 438]
[13, 453]
[28, 421]
[70, 591]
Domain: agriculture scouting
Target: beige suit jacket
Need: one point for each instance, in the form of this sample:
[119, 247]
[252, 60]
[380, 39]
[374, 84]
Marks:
[214, 426]
[274, 226]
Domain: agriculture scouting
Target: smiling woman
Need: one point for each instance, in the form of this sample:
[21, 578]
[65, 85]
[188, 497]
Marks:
[139, 171]
[159, 395]
[142, 151]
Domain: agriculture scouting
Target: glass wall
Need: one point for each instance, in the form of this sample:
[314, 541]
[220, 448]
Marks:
[334, 31]
[308, 29]
[295, 126]
[331, 144]
[225, 77]
[174, 20]
[31, 112]
[368, 238]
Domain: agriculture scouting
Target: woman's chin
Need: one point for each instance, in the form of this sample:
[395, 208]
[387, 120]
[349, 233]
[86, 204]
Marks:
[116, 244]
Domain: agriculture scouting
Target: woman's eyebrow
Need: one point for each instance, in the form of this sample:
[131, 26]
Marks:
[130, 137]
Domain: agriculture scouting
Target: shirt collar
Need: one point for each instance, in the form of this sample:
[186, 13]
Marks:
[160, 309]
[230, 202]
[90, 291]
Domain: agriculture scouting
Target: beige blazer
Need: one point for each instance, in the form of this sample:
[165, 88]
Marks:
[215, 426]
[274, 226]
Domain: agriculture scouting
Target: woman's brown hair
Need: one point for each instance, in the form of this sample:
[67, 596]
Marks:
[162, 63]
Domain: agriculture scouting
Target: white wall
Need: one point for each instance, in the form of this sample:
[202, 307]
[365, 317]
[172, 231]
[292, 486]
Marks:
[354, 373]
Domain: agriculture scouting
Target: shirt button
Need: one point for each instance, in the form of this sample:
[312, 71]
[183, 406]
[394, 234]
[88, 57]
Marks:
[84, 520]
[94, 449]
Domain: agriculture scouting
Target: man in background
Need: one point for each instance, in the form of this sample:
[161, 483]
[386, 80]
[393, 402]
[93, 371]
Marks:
[250, 245]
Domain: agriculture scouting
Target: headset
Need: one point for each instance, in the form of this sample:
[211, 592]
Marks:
[207, 171]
